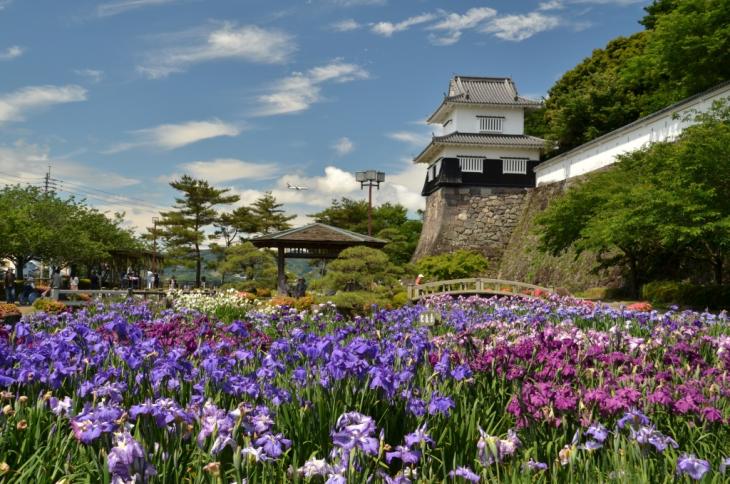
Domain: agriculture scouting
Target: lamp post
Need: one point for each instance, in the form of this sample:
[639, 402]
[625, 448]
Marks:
[370, 179]
[154, 243]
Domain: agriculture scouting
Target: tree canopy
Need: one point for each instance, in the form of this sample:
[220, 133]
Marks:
[41, 225]
[684, 49]
[390, 222]
[668, 204]
[184, 226]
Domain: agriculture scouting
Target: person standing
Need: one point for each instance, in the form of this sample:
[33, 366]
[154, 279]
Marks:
[9, 282]
[94, 280]
[55, 284]
[74, 283]
[173, 283]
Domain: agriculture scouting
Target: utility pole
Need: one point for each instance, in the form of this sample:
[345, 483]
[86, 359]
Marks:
[370, 179]
[47, 180]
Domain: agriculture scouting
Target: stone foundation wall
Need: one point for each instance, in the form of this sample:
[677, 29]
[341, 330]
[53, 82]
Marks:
[476, 218]
[523, 261]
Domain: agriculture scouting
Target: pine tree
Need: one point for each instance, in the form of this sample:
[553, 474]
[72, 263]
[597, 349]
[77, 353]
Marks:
[184, 226]
[270, 217]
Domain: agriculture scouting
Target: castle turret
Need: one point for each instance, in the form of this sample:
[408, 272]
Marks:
[478, 169]
[483, 142]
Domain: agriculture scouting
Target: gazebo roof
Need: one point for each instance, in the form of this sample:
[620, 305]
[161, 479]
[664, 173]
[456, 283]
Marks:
[316, 235]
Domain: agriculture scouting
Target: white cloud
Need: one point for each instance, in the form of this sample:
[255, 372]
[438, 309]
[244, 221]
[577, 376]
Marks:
[411, 138]
[229, 169]
[93, 75]
[227, 41]
[4, 4]
[12, 52]
[29, 162]
[299, 91]
[343, 146]
[387, 29]
[173, 136]
[14, 105]
[454, 24]
[346, 25]
[517, 28]
[115, 8]
[551, 5]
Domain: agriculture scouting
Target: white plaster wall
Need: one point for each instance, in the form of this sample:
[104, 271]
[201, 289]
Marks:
[490, 152]
[666, 126]
[464, 119]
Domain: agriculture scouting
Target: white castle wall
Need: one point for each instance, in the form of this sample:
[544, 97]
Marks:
[464, 119]
[663, 125]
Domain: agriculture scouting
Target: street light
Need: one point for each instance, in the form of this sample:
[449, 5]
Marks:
[370, 179]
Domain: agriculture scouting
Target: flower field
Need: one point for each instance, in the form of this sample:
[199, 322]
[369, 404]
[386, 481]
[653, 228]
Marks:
[508, 390]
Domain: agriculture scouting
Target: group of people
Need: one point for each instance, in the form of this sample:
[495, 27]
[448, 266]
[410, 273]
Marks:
[28, 294]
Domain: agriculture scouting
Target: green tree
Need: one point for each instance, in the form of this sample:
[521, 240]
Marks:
[40, 225]
[258, 266]
[685, 50]
[268, 214]
[361, 269]
[454, 265]
[390, 222]
[235, 224]
[184, 226]
[664, 202]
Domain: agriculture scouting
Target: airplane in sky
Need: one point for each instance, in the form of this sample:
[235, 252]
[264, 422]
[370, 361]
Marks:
[296, 187]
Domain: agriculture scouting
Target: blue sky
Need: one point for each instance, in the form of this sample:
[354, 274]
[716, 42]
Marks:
[120, 97]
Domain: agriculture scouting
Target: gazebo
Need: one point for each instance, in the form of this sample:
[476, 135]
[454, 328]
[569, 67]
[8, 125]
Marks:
[313, 241]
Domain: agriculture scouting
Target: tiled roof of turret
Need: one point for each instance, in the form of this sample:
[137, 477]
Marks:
[456, 138]
[485, 90]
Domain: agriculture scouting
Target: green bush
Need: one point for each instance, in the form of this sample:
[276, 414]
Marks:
[358, 302]
[692, 295]
[84, 283]
[662, 292]
[399, 299]
[454, 265]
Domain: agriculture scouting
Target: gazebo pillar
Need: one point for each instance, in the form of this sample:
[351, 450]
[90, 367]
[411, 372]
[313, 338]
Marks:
[281, 272]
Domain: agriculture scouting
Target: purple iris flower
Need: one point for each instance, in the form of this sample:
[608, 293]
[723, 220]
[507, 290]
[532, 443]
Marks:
[127, 461]
[633, 417]
[440, 404]
[724, 464]
[406, 455]
[355, 430]
[273, 445]
[598, 432]
[533, 465]
[60, 407]
[651, 436]
[418, 437]
[465, 473]
[692, 466]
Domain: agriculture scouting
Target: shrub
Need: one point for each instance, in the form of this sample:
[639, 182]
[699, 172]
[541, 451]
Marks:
[662, 292]
[695, 296]
[8, 310]
[49, 306]
[263, 292]
[399, 299]
[455, 265]
[84, 283]
[358, 302]
[360, 269]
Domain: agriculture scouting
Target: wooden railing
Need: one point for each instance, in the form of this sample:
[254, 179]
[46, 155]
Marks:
[477, 285]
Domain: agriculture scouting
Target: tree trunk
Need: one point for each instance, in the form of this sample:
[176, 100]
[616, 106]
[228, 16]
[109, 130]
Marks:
[197, 265]
[718, 270]
[634, 271]
[19, 263]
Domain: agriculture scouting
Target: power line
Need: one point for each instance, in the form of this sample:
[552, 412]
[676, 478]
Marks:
[97, 194]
